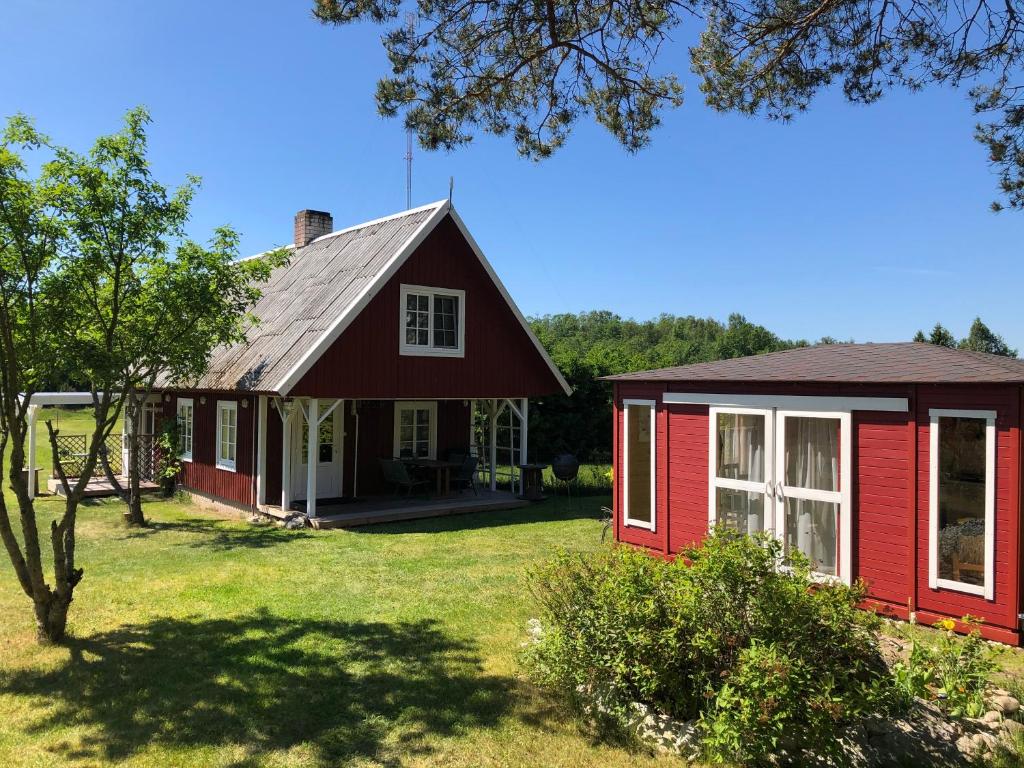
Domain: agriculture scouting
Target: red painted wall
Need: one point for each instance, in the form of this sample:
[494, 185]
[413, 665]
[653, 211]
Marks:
[890, 493]
[202, 474]
[500, 360]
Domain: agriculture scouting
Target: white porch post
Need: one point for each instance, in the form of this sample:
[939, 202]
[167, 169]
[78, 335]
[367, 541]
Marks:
[493, 431]
[312, 454]
[32, 412]
[261, 451]
[524, 417]
[286, 410]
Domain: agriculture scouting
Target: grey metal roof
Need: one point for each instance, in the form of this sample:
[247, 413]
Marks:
[302, 299]
[893, 363]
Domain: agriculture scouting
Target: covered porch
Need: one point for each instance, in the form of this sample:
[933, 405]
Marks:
[352, 438]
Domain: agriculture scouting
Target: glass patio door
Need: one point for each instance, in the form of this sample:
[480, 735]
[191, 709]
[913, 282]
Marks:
[741, 469]
[809, 498]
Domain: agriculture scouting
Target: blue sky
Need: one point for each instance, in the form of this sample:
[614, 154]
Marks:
[862, 222]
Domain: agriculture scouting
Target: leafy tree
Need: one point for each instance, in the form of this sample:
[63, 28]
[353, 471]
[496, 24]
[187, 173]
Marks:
[533, 69]
[589, 345]
[186, 308]
[980, 338]
[85, 278]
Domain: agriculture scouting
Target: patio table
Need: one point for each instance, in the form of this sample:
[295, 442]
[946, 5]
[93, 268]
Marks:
[442, 471]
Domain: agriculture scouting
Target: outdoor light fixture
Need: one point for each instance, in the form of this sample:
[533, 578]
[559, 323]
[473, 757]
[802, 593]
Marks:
[244, 402]
[202, 399]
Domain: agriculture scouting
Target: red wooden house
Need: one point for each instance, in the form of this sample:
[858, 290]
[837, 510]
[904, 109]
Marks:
[380, 340]
[898, 464]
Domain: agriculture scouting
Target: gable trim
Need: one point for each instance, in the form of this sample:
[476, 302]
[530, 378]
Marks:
[511, 304]
[345, 319]
[442, 209]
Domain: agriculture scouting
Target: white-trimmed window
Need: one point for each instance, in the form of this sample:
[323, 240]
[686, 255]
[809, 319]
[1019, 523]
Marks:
[741, 469]
[415, 429]
[962, 501]
[227, 434]
[638, 458]
[185, 422]
[432, 321]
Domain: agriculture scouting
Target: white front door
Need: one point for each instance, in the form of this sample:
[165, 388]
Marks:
[328, 453]
[787, 472]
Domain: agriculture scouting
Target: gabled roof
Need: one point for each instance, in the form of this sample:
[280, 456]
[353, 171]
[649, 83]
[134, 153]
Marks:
[308, 303]
[896, 363]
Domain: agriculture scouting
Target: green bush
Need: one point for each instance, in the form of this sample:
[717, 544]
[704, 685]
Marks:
[955, 672]
[733, 632]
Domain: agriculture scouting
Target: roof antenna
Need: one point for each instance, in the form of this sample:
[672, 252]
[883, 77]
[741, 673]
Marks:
[451, 186]
[410, 19]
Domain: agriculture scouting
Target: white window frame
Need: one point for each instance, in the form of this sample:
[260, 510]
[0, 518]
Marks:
[414, 405]
[223, 462]
[843, 497]
[187, 426]
[429, 350]
[715, 482]
[626, 519]
[986, 590]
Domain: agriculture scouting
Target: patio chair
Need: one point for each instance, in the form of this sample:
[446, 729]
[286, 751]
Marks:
[456, 455]
[465, 477]
[397, 474]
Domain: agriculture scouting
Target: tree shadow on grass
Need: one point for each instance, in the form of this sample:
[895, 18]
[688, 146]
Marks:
[222, 535]
[338, 690]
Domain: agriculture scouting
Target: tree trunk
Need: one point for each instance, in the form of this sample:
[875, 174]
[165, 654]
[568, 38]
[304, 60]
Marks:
[134, 516]
[52, 616]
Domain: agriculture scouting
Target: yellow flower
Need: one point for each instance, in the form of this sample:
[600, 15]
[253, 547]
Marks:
[947, 624]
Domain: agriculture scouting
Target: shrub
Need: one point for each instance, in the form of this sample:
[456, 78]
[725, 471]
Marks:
[954, 673]
[733, 632]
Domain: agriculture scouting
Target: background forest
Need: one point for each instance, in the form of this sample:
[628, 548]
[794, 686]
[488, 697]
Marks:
[589, 345]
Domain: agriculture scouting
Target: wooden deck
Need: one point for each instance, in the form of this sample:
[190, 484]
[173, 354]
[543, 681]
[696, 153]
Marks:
[390, 509]
[98, 487]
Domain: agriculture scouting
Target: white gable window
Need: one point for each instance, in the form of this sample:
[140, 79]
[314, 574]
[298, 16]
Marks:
[432, 321]
[227, 434]
[415, 430]
[185, 419]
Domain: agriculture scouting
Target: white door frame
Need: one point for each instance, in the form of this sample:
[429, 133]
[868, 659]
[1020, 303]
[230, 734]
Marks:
[765, 487]
[299, 471]
[843, 497]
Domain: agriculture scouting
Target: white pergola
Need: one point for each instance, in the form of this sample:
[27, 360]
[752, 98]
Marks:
[37, 401]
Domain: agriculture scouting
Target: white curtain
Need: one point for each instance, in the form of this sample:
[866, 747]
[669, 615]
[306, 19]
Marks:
[812, 461]
[741, 457]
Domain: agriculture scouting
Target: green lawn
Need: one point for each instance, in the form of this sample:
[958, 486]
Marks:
[204, 642]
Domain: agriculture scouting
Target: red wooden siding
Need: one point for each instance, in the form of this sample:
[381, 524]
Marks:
[883, 519]
[890, 492]
[201, 474]
[689, 433]
[500, 360]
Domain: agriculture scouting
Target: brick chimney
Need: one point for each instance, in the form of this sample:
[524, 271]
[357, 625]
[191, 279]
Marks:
[309, 225]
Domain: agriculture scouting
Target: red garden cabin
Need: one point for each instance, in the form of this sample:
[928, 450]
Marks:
[898, 464]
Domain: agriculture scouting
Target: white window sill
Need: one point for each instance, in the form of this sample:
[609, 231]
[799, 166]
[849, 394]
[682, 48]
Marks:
[226, 467]
[959, 586]
[187, 458]
[413, 351]
[639, 524]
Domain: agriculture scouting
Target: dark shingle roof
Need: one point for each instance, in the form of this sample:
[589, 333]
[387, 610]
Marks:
[302, 299]
[897, 363]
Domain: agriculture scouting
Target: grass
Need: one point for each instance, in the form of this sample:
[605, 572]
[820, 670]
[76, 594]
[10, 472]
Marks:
[209, 642]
